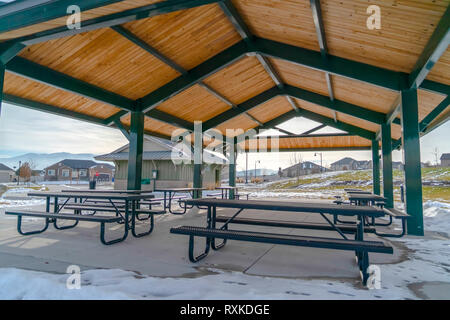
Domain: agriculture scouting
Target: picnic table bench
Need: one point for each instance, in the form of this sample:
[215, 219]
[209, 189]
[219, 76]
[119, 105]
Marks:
[360, 246]
[126, 215]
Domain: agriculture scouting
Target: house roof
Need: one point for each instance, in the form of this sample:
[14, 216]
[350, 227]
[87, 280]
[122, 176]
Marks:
[308, 163]
[445, 156]
[246, 64]
[5, 168]
[344, 161]
[76, 164]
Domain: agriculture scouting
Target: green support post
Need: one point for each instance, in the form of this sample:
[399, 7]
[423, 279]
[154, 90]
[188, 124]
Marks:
[376, 167]
[386, 146]
[2, 80]
[232, 168]
[198, 158]
[411, 159]
[135, 151]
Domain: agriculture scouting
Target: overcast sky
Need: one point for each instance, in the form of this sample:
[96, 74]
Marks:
[24, 130]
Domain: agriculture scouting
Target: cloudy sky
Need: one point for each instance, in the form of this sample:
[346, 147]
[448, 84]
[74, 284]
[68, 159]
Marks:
[23, 130]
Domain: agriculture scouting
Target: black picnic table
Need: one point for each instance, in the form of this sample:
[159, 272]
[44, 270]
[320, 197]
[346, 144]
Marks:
[225, 191]
[107, 191]
[360, 246]
[169, 194]
[364, 198]
[127, 213]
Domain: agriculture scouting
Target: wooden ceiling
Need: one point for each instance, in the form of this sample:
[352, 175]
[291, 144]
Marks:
[188, 38]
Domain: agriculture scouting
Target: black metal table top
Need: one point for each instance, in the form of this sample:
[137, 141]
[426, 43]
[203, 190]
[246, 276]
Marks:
[226, 188]
[297, 206]
[359, 192]
[113, 196]
[178, 189]
[108, 191]
[365, 197]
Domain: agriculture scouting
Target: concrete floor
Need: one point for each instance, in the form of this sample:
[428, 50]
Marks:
[165, 254]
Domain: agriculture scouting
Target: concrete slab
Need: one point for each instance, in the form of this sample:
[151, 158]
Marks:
[164, 254]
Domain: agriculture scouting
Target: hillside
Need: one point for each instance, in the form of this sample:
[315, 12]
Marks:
[43, 160]
[436, 184]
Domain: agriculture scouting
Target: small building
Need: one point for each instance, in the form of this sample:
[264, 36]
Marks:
[344, 164]
[102, 172]
[302, 168]
[445, 160]
[69, 170]
[6, 174]
[166, 165]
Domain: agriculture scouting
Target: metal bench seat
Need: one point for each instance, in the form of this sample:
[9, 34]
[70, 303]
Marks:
[111, 209]
[274, 238]
[54, 217]
[292, 224]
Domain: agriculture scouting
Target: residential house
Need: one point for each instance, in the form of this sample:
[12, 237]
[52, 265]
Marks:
[166, 165]
[445, 160]
[69, 170]
[344, 164]
[102, 172]
[302, 168]
[6, 174]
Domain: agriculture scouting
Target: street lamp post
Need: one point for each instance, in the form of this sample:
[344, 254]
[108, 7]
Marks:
[246, 168]
[315, 154]
[257, 161]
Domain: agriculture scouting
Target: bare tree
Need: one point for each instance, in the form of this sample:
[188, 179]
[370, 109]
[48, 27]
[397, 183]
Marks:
[25, 172]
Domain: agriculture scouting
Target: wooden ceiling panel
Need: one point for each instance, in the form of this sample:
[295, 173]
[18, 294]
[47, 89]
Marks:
[241, 80]
[239, 124]
[194, 104]
[406, 27]
[153, 125]
[271, 109]
[288, 21]
[106, 59]
[188, 37]
[301, 77]
[32, 90]
[363, 94]
[427, 102]
[441, 70]
[312, 142]
[85, 15]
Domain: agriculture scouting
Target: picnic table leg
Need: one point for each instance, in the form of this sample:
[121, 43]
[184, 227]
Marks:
[55, 220]
[24, 233]
[125, 224]
[133, 222]
[192, 257]
[213, 225]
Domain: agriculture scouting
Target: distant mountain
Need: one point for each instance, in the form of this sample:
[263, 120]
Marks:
[259, 172]
[43, 160]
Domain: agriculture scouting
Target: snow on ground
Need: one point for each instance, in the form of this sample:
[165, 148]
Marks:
[7, 202]
[428, 262]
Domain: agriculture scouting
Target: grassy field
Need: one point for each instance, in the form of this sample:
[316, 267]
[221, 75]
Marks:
[436, 183]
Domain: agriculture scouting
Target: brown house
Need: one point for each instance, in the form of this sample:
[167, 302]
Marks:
[77, 170]
[102, 172]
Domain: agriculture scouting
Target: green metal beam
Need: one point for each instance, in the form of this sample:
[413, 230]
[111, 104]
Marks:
[354, 130]
[335, 65]
[435, 87]
[114, 19]
[386, 146]
[170, 119]
[242, 108]
[37, 72]
[376, 167]
[17, 14]
[320, 135]
[9, 50]
[144, 45]
[30, 104]
[195, 75]
[436, 46]
[314, 129]
[124, 131]
[434, 114]
[135, 151]
[412, 167]
[336, 105]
